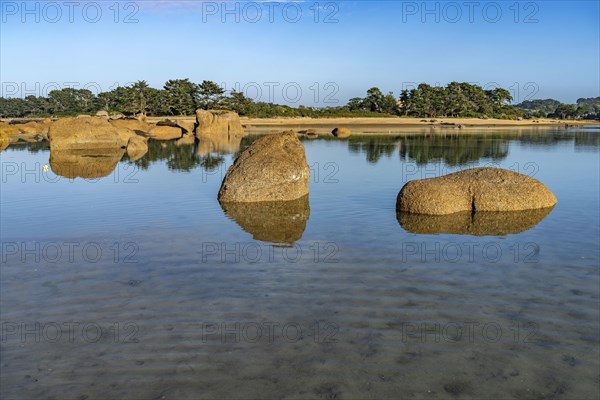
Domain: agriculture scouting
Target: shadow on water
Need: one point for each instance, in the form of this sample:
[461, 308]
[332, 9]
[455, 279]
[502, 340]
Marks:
[281, 222]
[482, 223]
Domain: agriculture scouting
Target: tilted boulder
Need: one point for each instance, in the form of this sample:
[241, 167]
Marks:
[131, 123]
[217, 122]
[6, 129]
[45, 125]
[5, 140]
[165, 132]
[126, 134]
[342, 132]
[137, 147]
[189, 127]
[32, 127]
[477, 189]
[273, 168]
[83, 133]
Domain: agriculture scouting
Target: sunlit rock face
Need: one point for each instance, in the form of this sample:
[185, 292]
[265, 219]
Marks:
[87, 164]
[482, 223]
[273, 168]
[277, 222]
[84, 133]
[165, 132]
[137, 147]
[131, 123]
[476, 189]
[219, 123]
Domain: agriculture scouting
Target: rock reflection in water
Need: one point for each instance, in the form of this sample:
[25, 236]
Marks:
[84, 164]
[220, 144]
[477, 224]
[277, 221]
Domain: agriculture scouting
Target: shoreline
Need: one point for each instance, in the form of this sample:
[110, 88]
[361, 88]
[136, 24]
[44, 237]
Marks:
[388, 126]
[400, 122]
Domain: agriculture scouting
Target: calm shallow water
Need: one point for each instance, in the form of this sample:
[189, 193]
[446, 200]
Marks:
[139, 285]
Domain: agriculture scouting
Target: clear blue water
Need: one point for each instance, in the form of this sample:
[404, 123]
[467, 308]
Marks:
[139, 285]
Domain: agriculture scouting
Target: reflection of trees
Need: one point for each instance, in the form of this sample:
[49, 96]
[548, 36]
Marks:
[177, 157]
[452, 149]
[546, 139]
[374, 147]
[32, 147]
[422, 149]
[210, 162]
[588, 141]
[584, 138]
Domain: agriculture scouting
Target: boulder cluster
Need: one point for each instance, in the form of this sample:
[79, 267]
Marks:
[266, 189]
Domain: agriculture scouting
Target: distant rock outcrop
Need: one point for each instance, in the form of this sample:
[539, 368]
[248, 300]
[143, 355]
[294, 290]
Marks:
[6, 129]
[342, 132]
[477, 189]
[165, 132]
[217, 122]
[273, 168]
[189, 127]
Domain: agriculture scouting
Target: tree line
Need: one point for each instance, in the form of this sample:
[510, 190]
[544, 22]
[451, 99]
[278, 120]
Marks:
[454, 100]
[180, 97]
[585, 108]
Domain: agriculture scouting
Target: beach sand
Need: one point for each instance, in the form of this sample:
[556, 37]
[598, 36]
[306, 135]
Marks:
[401, 125]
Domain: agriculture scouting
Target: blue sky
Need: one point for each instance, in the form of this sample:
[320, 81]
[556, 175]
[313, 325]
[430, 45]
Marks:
[290, 54]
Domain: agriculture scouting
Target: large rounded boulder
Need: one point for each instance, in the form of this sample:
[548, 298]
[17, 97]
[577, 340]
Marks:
[477, 189]
[83, 134]
[273, 168]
